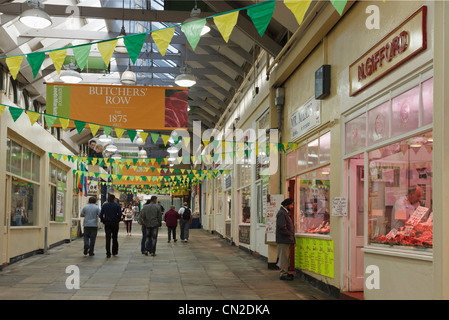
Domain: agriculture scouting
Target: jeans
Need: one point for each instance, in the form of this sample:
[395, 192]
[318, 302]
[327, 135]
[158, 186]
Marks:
[151, 241]
[171, 230]
[144, 239]
[90, 235]
[184, 225]
[111, 230]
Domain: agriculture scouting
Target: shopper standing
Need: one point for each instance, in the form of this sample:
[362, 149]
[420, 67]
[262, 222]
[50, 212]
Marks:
[128, 219]
[185, 221]
[110, 215]
[171, 221]
[285, 237]
[90, 212]
[151, 217]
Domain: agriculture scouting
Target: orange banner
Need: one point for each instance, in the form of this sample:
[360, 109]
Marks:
[127, 107]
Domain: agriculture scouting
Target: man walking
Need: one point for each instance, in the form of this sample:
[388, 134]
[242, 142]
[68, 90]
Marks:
[285, 237]
[171, 221]
[151, 218]
[111, 215]
[90, 212]
[185, 221]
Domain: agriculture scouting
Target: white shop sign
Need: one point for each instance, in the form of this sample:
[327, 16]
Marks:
[305, 118]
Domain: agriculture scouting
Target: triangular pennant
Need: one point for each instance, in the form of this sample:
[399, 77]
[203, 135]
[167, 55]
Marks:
[165, 138]
[15, 113]
[2, 108]
[119, 132]
[58, 57]
[49, 119]
[144, 136]
[186, 141]
[226, 23]
[35, 60]
[80, 125]
[107, 130]
[94, 128]
[162, 38]
[81, 54]
[13, 64]
[339, 5]
[155, 137]
[106, 49]
[131, 134]
[33, 116]
[261, 15]
[298, 8]
[134, 45]
[192, 31]
[64, 123]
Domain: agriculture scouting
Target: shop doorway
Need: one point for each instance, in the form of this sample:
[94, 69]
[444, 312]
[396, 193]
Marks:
[291, 194]
[356, 222]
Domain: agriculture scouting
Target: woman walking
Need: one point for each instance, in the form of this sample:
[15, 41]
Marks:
[128, 218]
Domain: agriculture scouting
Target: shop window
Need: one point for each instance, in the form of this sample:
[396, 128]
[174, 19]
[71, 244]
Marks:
[314, 192]
[325, 148]
[379, 123]
[245, 204]
[301, 157]
[24, 202]
[427, 102]
[22, 162]
[400, 193]
[355, 134]
[313, 152]
[405, 112]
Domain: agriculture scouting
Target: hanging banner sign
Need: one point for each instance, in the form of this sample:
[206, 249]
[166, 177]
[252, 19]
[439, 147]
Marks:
[127, 107]
[400, 45]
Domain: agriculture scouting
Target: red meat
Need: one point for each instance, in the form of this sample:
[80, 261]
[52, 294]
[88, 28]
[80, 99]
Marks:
[176, 109]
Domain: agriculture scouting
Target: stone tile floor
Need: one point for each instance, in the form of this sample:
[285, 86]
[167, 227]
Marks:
[206, 268]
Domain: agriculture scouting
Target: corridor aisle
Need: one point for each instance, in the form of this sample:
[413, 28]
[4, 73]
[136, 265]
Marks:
[206, 268]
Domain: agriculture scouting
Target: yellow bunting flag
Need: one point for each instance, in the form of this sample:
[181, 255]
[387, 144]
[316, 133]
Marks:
[165, 138]
[186, 141]
[32, 115]
[107, 49]
[64, 123]
[58, 58]
[162, 38]
[119, 132]
[144, 136]
[226, 23]
[2, 108]
[94, 128]
[298, 8]
[13, 64]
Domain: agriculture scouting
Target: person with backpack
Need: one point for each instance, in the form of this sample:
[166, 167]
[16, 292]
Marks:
[185, 221]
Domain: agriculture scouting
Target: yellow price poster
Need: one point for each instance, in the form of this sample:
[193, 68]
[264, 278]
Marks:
[316, 255]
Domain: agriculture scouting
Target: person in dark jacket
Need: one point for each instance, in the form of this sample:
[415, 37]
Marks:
[171, 221]
[151, 218]
[111, 215]
[285, 237]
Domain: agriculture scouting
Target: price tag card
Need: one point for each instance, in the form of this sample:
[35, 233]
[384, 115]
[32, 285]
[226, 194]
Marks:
[416, 217]
[392, 234]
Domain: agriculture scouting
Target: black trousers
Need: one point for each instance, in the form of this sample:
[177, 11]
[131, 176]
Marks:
[111, 230]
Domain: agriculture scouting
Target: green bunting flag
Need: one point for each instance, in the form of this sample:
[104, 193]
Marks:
[134, 45]
[131, 134]
[80, 125]
[107, 130]
[49, 119]
[192, 31]
[15, 113]
[261, 15]
[35, 60]
[154, 137]
[339, 5]
[81, 55]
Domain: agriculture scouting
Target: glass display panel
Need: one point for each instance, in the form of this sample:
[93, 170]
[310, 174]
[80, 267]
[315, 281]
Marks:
[245, 204]
[314, 192]
[301, 158]
[427, 102]
[16, 158]
[325, 148]
[313, 152]
[400, 193]
[379, 123]
[405, 112]
[24, 203]
[355, 134]
[27, 163]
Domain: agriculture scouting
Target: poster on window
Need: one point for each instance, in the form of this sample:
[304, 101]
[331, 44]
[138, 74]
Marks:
[60, 202]
[273, 206]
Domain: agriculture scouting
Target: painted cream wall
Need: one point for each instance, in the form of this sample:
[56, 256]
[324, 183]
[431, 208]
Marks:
[30, 238]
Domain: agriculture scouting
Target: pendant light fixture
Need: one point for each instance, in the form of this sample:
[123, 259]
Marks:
[185, 79]
[70, 75]
[120, 46]
[35, 17]
[128, 77]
